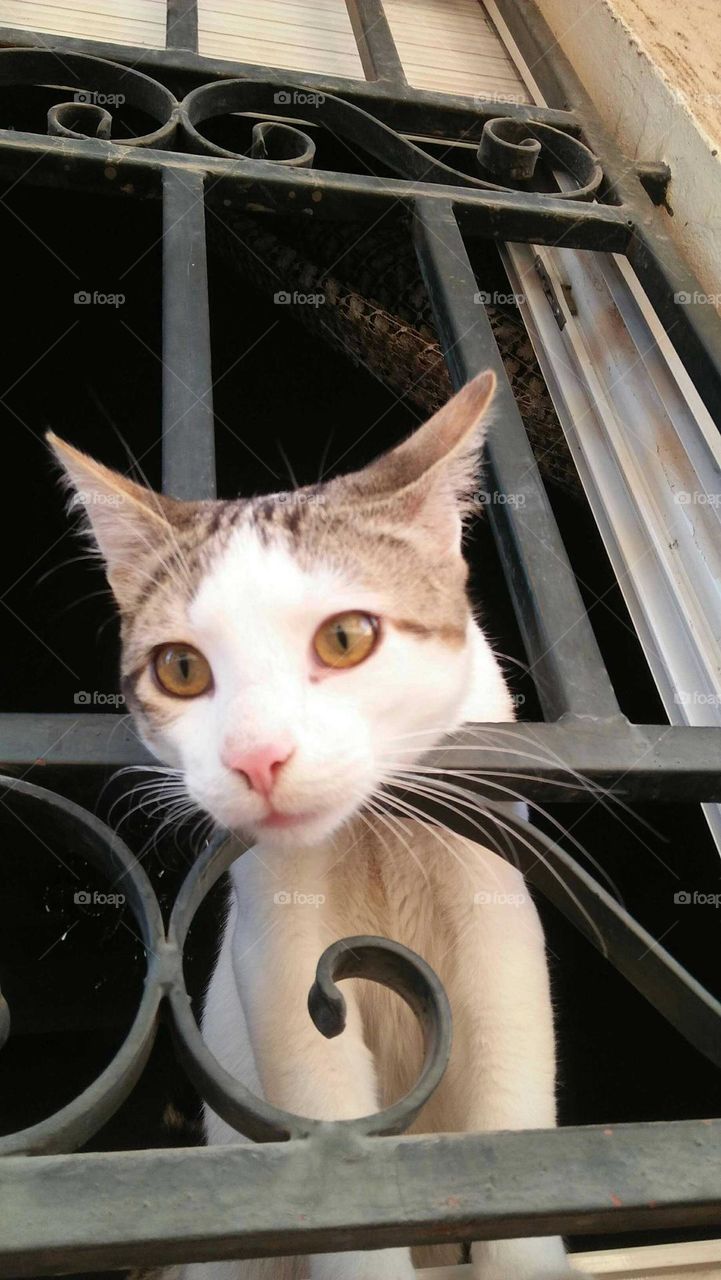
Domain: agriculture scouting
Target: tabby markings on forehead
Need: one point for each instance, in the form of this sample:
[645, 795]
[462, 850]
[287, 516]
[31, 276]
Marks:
[285, 512]
[181, 557]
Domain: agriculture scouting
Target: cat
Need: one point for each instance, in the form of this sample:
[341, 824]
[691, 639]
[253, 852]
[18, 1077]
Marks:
[283, 656]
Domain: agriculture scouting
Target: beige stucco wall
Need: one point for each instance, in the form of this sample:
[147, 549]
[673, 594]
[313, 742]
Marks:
[653, 68]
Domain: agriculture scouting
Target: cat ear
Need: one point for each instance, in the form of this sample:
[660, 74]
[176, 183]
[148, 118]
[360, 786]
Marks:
[125, 519]
[430, 476]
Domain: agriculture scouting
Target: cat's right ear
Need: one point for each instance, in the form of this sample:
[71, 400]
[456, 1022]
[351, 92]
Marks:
[125, 519]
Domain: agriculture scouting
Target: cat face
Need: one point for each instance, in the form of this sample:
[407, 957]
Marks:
[283, 652]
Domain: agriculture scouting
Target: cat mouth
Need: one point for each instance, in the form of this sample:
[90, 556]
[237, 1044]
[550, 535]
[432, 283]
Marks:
[275, 820]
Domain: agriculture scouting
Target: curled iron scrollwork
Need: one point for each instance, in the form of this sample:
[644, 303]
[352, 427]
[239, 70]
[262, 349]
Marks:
[509, 148]
[375, 959]
[97, 84]
[356, 126]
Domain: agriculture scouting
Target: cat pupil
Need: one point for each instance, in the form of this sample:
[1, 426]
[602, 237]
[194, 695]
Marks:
[342, 638]
[184, 666]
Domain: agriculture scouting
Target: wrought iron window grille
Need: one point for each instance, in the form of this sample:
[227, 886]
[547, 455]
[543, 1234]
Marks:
[68, 1211]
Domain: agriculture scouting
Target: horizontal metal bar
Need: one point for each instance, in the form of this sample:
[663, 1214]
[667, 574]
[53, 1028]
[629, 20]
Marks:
[39, 741]
[564, 658]
[188, 428]
[650, 762]
[644, 762]
[263, 187]
[156, 1207]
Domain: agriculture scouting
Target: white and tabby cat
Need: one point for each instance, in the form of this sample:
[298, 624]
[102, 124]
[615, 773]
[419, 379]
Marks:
[286, 655]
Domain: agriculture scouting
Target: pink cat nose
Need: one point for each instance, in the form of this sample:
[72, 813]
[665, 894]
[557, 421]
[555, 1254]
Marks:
[261, 765]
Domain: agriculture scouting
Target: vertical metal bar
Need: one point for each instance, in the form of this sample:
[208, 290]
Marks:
[565, 660]
[181, 25]
[188, 430]
[376, 46]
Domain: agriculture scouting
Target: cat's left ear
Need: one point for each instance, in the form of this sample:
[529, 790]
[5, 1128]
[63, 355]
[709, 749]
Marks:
[430, 478]
[125, 519]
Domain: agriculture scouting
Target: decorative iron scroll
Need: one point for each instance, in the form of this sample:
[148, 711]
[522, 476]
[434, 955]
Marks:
[100, 85]
[95, 78]
[668, 987]
[353, 124]
[377, 959]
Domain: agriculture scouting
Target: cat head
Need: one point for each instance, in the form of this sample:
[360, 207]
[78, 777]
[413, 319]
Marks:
[284, 651]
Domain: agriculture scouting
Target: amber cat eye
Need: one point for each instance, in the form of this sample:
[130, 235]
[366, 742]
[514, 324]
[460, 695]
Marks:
[346, 639]
[182, 670]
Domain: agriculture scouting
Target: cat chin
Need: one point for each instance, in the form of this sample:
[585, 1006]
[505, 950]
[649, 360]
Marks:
[303, 833]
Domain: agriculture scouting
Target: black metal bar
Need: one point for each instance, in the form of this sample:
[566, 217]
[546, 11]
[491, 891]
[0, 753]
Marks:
[261, 186]
[181, 25]
[376, 46]
[303, 1197]
[188, 430]
[694, 327]
[564, 658]
[661, 763]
